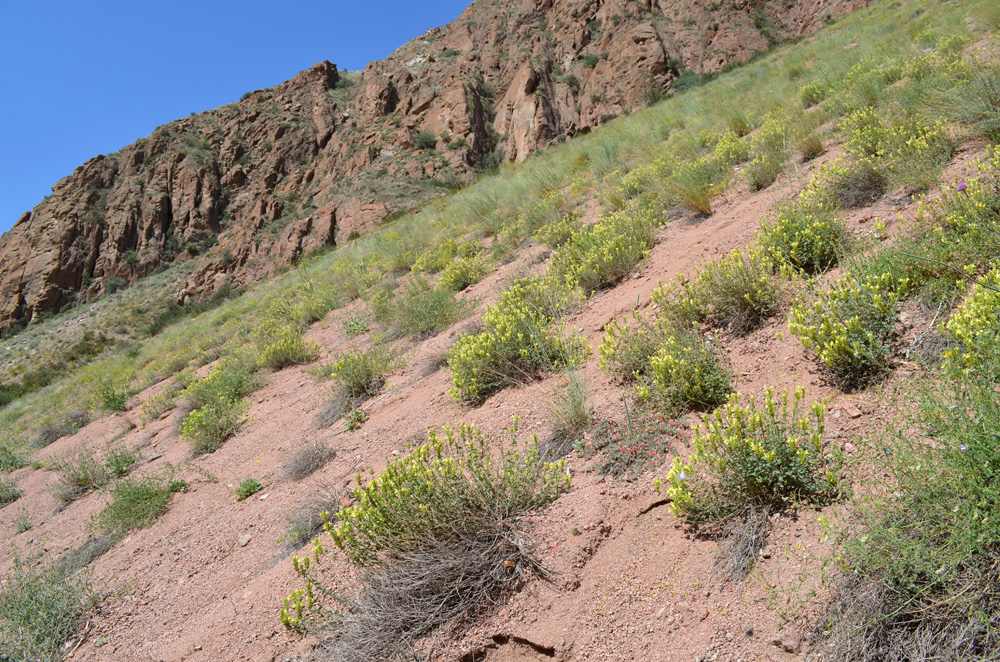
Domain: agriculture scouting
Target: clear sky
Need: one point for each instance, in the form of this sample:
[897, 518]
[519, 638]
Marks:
[86, 78]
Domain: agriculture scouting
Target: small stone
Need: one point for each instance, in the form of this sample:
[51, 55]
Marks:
[244, 539]
[662, 611]
[703, 614]
[851, 410]
[789, 641]
[765, 553]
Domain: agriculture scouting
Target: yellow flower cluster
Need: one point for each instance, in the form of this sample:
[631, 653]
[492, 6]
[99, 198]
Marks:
[848, 326]
[520, 338]
[745, 455]
[976, 326]
[461, 273]
[685, 372]
[806, 234]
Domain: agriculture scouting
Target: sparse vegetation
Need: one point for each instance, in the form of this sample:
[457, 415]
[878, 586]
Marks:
[628, 449]
[247, 488]
[41, 607]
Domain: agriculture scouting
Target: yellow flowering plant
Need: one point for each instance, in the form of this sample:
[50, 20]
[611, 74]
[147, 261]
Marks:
[754, 457]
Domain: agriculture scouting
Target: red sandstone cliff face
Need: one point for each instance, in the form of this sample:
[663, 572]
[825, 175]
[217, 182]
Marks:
[252, 186]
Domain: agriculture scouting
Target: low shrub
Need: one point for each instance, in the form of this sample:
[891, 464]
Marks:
[976, 328]
[119, 461]
[629, 448]
[761, 456]
[309, 460]
[806, 235]
[247, 488]
[768, 153]
[558, 232]
[70, 424]
[233, 378]
[737, 292]
[82, 471]
[520, 340]
[974, 103]
[461, 273]
[849, 327]
[685, 373]
[280, 344]
[625, 350]
[135, 503]
[813, 93]
[41, 607]
[206, 428]
[9, 491]
[362, 372]
[601, 255]
[437, 538]
[159, 404]
[420, 311]
[356, 324]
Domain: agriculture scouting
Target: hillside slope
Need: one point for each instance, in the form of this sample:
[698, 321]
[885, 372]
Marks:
[251, 186]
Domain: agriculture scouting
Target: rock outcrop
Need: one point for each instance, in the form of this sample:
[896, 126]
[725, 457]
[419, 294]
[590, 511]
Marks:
[248, 187]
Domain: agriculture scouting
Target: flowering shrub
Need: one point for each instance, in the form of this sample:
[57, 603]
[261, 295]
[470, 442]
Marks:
[737, 291]
[419, 310]
[976, 326]
[558, 232]
[768, 153]
[362, 372]
[811, 94]
[520, 339]
[806, 234]
[749, 457]
[600, 255]
[625, 351]
[685, 373]
[849, 327]
[461, 273]
[436, 258]
[280, 344]
[207, 427]
[631, 447]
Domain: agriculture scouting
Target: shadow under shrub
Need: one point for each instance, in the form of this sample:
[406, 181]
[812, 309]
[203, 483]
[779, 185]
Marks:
[451, 505]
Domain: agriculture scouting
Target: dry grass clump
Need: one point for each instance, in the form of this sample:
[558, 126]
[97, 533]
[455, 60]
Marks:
[309, 460]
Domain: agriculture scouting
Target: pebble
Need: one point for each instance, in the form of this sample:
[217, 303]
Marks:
[244, 539]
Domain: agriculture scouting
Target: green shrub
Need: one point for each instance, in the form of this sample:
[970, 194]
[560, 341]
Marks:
[82, 471]
[749, 457]
[520, 339]
[9, 491]
[625, 351]
[849, 327]
[9, 461]
[420, 311]
[601, 255]
[450, 484]
[976, 328]
[920, 563]
[114, 397]
[685, 373]
[558, 232]
[119, 461]
[247, 488]
[806, 235]
[362, 373]
[631, 447]
[135, 503]
[425, 140]
[461, 273]
[41, 607]
[737, 292]
[207, 427]
[768, 153]
[280, 345]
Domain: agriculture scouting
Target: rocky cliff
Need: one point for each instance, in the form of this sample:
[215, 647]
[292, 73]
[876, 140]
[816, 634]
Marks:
[249, 187]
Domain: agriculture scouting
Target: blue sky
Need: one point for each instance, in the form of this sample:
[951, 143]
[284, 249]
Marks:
[88, 78]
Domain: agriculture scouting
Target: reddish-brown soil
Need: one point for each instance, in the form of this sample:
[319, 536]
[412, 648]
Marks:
[632, 582]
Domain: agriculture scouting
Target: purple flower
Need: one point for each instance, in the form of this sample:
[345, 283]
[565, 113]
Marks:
[961, 187]
[963, 447]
